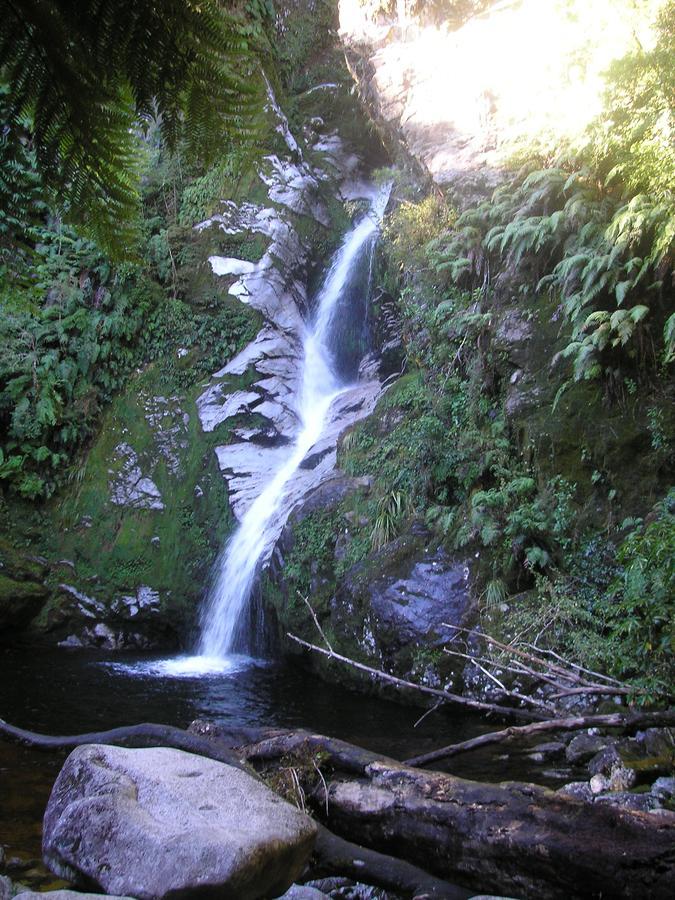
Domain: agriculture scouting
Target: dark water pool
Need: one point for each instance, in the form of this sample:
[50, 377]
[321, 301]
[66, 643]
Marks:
[66, 692]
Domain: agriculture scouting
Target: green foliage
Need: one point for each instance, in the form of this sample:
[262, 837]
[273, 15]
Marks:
[74, 327]
[84, 78]
[301, 39]
[525, 525]
[412, 225]
[391, 510]
[642, 601]
[65, 356]
[312, 553]
[615, 609]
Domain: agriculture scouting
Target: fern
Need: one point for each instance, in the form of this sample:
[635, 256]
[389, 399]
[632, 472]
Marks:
[86, 78]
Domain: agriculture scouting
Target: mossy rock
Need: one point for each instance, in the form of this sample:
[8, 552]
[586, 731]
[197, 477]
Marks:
[19, 601]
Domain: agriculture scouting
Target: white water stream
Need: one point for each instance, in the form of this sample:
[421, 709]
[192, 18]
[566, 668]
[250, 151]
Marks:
[225, 634]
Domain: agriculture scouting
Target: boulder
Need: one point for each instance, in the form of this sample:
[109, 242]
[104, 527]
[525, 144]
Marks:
[664, 788]
[584, 746]
[580, 790]
[159, 822]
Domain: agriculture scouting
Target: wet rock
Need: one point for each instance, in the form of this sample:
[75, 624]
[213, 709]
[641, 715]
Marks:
[636, 760]
[294, 186]
[67, 895]
[302, 892]
[216, 405]
[20, 601]
[584, 746]
[603, 762]
[247, 469]
[549, 749]
[413, 607]
[145, 603]
[621, 778]
[72, 618]
[266, 435]
[664, 788]
[269, 285]
[580, 790]
[169, 425]
[158, 822]
[599, 783]
[22, 591]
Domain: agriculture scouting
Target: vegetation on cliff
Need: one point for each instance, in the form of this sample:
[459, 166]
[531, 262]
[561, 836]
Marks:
[538, 430]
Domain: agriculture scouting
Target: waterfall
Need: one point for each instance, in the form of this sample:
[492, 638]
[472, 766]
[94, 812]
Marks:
[224, 625]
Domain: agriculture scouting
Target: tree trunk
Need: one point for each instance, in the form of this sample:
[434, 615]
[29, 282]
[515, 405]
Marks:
[509, 838]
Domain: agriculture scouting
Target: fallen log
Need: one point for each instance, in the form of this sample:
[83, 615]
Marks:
[510, 838]
[147, 734]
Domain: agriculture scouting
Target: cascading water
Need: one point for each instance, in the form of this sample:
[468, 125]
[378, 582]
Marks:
[224, 628]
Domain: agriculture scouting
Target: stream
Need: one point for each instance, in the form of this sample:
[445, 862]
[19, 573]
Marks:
[74, 691]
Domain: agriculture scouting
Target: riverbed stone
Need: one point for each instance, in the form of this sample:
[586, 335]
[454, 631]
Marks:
[584, 746]
[302, 892]
[664, 788]
[159, 822]
[580, 790]
[627, 800]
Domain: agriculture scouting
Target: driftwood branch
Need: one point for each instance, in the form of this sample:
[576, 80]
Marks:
[148, 734]
[566, 677]
[625, 721]
[333, 854]
[447, 696]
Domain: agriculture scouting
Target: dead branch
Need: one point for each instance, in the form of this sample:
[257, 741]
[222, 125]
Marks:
[478, 661]
[567, 662]
[333, 854]
[148, 734]
[456, 699]
[563, 675]
[627, 722]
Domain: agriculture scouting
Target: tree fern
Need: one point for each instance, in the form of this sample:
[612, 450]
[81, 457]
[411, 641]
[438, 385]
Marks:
[86, 75]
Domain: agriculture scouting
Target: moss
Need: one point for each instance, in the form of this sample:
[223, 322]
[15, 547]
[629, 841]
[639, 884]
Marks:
[19, 600]
[18, 565]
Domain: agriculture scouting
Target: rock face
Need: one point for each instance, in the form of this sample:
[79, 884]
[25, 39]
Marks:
[388, 609]
[272, 363]
[159, 822]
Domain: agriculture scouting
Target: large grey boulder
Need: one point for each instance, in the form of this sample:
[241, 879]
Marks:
[158, 822]
[66, 895]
